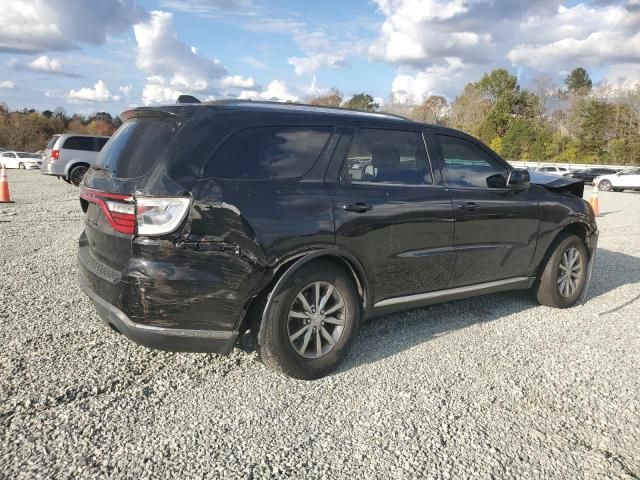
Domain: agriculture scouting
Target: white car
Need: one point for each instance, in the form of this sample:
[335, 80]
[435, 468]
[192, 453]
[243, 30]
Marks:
[625, 180]
[554, 170]
[22, 160]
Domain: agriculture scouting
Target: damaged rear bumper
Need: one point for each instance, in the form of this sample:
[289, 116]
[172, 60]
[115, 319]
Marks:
[171, 339]
[151, 327]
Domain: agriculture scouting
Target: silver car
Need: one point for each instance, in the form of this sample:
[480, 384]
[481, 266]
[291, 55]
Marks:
[69, 156]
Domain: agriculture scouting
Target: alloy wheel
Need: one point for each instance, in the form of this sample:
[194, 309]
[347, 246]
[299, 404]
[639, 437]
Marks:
[316, 319]
[77, 175]
[604, 185]
[569, 271]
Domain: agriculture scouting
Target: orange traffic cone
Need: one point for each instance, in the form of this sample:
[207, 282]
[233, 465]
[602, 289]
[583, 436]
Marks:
[594, 199]
[4, 187]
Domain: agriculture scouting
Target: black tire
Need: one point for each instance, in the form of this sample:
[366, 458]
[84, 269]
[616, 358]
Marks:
[604, 185]
[548, 284]
[278, 352]
[21, 166]
[77, 174]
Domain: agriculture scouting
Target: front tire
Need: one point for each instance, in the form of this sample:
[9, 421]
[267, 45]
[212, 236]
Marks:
[564, 274]
[604, 185]
[311, 322]
[21, 166]
[77, 174]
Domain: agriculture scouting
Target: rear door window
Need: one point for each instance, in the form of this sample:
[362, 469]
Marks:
[136, 146]
[387, 156]
[282, 152]
[468, 165]
[79, 143]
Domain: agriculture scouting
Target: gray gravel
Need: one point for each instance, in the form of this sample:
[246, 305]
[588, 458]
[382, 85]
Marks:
[492, 387]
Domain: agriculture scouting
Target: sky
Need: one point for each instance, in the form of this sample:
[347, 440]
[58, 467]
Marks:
[109, 55]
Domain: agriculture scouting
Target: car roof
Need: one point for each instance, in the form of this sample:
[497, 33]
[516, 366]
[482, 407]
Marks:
[66, 135]
[274, 107]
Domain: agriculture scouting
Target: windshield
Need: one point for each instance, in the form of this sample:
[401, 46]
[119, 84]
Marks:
[136, 147]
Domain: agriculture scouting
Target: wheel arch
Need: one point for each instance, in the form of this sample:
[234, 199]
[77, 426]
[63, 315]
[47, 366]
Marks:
[257, 312]
[73, 164]
[582, 229]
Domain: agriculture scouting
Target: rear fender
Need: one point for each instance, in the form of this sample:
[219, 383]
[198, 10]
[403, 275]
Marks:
[348, 261]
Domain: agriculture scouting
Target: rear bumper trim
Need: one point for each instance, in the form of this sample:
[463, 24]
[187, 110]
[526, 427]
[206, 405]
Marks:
[161, 338]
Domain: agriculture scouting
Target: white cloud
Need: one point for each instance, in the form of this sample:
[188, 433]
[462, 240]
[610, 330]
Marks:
[239, 82]
[157, 91]
[42, 64]
[421, 36]
[276, 91]
[161, 53]
[436, 80]
[125, 89]
[303, 65]
[7, 84]
[49, 25]
[99, 93]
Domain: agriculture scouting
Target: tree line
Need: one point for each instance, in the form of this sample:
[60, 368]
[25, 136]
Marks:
[578, 123]
[28, 130]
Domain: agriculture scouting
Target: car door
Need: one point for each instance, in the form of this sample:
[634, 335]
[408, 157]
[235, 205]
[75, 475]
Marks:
[390, 213]
[496, 228]
[9, 160]
[628, 178]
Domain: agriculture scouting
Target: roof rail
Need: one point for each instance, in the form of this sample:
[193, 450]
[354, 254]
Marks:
[187, 99]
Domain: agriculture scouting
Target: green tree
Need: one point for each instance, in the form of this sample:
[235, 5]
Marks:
[578, 81]
[495, 84]
[331, 99]
[362, 101]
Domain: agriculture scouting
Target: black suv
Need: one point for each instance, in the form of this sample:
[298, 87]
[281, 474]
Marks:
[291, 224]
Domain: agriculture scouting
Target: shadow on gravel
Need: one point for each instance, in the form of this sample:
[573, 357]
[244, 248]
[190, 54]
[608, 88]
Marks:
[391, 334]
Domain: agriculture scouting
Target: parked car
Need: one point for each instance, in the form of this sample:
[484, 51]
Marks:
[21, 160]
[69, 156]
[555, 170]
[207, 223]
[625, 180]
[588, 174]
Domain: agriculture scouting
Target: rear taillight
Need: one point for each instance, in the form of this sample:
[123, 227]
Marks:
[150, 215]
[118, 209]
[55, 154]
[159, 216]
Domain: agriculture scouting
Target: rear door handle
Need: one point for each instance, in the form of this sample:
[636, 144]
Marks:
[470, 206]
[358, 207]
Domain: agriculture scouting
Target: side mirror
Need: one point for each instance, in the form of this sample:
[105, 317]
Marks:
[518, 179]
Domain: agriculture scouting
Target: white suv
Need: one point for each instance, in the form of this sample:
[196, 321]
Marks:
[554, 170]
[69, 156]
[625, 180]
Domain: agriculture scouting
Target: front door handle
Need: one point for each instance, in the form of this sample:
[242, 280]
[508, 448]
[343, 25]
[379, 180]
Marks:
[358, 207]
[470, 206]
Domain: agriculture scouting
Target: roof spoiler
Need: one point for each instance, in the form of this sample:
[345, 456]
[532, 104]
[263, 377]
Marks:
[187, 99]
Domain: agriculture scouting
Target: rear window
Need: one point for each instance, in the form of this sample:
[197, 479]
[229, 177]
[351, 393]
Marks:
[269, 152]
[100, 142]
[52, 141]
[136, 146]
[28, 155]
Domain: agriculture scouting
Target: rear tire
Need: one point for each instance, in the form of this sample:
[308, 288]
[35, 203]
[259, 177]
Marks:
[313, 341]
[77, 174]
[564, 272]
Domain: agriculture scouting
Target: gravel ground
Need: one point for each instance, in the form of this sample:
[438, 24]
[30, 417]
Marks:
[492, 387]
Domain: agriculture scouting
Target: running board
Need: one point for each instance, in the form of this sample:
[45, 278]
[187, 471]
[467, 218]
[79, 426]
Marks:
[518, 283]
